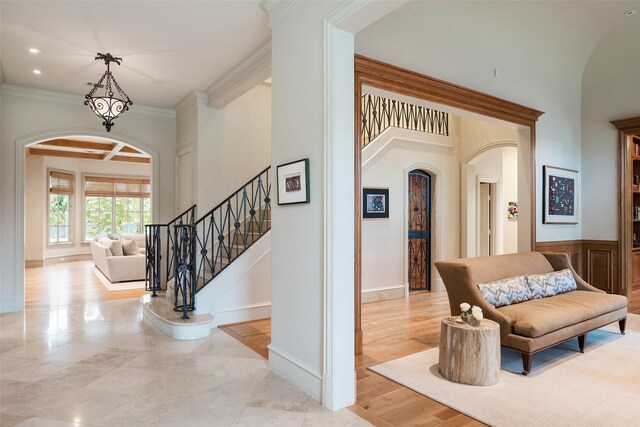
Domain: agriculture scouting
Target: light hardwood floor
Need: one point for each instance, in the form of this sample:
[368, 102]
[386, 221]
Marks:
[392, 329]
[68, 283]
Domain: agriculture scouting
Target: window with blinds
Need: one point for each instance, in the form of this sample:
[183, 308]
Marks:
[61, 182]
[116, 187]
[61, 189]
[116, 205]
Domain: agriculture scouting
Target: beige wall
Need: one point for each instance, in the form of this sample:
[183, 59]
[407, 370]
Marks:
[35, 209]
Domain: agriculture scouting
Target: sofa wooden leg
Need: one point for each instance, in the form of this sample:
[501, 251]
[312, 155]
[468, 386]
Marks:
[623, 324]
[527, 360]
[581, 341]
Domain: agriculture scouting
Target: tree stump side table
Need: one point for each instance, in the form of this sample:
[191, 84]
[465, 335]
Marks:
[470, 354]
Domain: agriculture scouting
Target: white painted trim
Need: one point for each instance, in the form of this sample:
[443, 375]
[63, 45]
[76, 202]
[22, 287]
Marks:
[73, 99]
[190, 100]
[353, 16]
[21, 145]
[277, 9]
[300, 373]
[338, 339]
[242, 314]
[487, 147]
[393, 292]
[496, 238]
[436, 222]
[251, 71]
[392, 135]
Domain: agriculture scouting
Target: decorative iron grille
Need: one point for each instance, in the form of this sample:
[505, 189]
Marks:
[379, 114]
[156, 277]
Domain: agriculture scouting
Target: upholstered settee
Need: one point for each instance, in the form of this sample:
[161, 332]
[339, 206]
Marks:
[535, 324]
[118, 268]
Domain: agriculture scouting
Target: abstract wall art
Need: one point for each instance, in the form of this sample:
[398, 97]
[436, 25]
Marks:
[560, 198]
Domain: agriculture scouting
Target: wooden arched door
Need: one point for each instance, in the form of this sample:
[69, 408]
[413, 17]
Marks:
[419, 200]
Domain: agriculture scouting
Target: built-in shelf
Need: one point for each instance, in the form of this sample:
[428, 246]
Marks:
[635, 250]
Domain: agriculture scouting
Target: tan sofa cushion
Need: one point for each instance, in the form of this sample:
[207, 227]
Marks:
[540, 316]
[115, 246]
[129, 247]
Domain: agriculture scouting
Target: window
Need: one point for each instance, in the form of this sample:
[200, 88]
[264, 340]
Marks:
[116, 205]
[61, 190]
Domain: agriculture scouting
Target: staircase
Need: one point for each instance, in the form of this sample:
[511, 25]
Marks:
[197, 251]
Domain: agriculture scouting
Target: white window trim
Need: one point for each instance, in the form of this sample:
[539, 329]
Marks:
[72, 204]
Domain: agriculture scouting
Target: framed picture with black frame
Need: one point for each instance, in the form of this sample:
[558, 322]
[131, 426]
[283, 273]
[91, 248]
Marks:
[560, 195]
[293, 182]
[375, 203]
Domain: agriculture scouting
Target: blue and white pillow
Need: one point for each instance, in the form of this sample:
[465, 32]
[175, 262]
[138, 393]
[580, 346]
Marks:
[550, 284]
[506, 291]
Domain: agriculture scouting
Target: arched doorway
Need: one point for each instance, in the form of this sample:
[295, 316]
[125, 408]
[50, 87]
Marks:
[70, 232]
[419, 230]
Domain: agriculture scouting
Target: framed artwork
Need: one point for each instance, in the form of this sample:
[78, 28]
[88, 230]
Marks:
[293, 182]
[560, 195]
[375, 203]
[512, 211]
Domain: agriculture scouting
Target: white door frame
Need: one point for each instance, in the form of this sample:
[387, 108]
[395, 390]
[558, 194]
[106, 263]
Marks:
[496, 219]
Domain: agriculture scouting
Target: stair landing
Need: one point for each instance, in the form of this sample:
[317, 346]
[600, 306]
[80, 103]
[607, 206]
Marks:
[159, 312]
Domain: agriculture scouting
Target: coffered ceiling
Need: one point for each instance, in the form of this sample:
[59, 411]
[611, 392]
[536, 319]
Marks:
[168, 47]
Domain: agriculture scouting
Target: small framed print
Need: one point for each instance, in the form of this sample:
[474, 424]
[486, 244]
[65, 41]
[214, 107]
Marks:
[293, 182]
[560, 195]
[375, 203]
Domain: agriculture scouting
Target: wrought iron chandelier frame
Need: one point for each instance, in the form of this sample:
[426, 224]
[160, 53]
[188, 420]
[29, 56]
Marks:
[112, 104]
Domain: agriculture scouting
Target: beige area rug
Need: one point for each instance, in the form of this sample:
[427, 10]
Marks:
[122, 286]
[565, 388]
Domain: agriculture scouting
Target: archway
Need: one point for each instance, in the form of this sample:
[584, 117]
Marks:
[494, 165]
[21, 148]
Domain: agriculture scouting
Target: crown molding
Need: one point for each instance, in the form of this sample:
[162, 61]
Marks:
[77, 100]
[277, 9]
[191, 99]
[253, 70]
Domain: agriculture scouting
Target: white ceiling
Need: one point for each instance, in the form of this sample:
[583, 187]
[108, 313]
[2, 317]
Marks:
[168, 47]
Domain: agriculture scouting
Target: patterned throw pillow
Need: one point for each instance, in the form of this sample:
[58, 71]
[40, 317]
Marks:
[506, 291]
[550, 284]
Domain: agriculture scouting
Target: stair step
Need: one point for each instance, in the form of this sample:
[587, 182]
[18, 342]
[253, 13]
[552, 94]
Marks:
[159, 311]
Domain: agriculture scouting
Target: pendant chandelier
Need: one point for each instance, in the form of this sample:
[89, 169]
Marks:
[110, 105]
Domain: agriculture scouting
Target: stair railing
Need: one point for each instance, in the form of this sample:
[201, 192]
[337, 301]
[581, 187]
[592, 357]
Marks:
[155, 280]
[197, 251]
[226, 231]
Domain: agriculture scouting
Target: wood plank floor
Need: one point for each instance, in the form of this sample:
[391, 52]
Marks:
[392, 329]
[68, 283]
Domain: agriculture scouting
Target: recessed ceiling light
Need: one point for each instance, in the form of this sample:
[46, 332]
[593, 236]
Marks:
[36, 71]
[34, 50]
[630, 12]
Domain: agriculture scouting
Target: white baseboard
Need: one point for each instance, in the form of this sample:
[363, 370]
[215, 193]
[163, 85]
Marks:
[383, 294]
[242, 314]
[299, 373]
[67, 258]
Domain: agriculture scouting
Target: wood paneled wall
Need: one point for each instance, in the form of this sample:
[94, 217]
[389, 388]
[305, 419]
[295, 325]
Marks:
[596, 261]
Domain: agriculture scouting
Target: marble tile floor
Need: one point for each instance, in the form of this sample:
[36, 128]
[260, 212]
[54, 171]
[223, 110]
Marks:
[101, 364]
